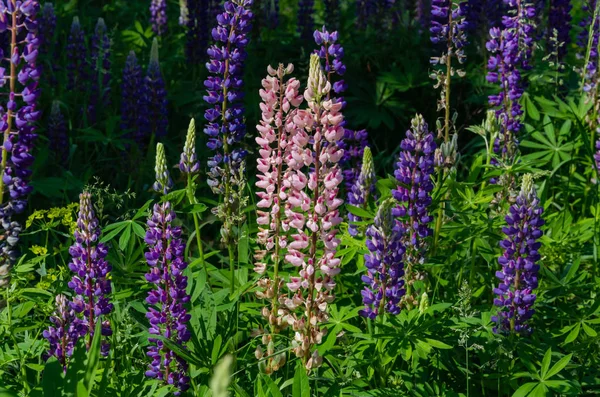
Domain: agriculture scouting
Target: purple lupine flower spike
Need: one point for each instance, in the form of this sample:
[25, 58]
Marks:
[76, 57]
[65, 331]
[306, 18]
[46, 27]
[515, 294]
[363, 188]
[163, 183]
[597, 156]
[188, 163]
[131, 93]
[57, 134]
[271, 9]
[158, 16]
[559, 21]
[90, 283]
[414, 169]
[332, 53]
[226, 130]
[153, 118]
[167, 314]
[384, 283]
[100, 72]
[197, 22]
[17, 123]
[354, 144]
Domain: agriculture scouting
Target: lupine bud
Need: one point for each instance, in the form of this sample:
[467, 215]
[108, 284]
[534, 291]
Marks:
[363, 188]
[385, 286]
[163, 182]
[167, 314]
[153, 118]
[188, 163]
[91, 283]
[519, 275]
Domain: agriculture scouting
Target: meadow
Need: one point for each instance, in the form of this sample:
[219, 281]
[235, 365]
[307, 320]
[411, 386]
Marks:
[273, 198]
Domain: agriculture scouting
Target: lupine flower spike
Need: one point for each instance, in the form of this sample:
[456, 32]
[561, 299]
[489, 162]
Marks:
[225, 117]
[413, 171]
[197, 22]
[19, 76]
[515, 294]
[91, 283]
[314, 213]
[57, 134]
[385, 285]
[280, 100]
[163, 183]
[363, 189]
[167, 314]
[100, 68]
[131, 92]
[65, 331]
[46, 27]
[153, 119]
[158, 16]
[76, 57]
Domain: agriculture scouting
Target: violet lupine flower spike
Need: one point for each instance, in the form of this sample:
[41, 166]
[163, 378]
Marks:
[385, 286]
[313, 213]
[306, 18]
[414, 169]
[65, 331]
[271, 10]
[197, 22]
[167, 314]
[158, 16]
[57, 134]
[19, 77]
[559, 27]
[153, 119]
[131, 92]
[225, 127]
[519, 275]
[46, 27]
[280, 100]
[100, 68]
[90, 283]
[163, 183]
[363, 189]
[76, 57]
[448, 26]
[353, 144]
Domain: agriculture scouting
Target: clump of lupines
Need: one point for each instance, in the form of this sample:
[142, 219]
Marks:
[559, 24]
[65, 332]
[153, 117]
[510, 50]
[519, 275]
[363, 188]
[167, 314]
[313, 212]
[225, 127]
[197, 22]
[57, 133]
[100, 71]
[90, 283]
[158, 16]
[163, 182]
[131, 92]
[306, 18]
[448, 26]
[76, 57]
[414, 169]
[385, 286]
[19, 77]
[280, 100]
[46, 27]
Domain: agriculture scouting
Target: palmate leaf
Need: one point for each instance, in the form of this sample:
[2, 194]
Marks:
[550, 147]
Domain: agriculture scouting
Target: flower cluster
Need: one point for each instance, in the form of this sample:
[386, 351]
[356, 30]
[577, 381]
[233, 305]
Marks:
[167, 314]
[197, 22]
[363, 188]
[100, 71]
[90, 283]
[188, 162]
[384, 283]
[163, 183]
[19, 77]
[333, 54]
[519, 275]
[372, 12]
[306, 18]
[131, 92]
[559, 24]
[57, 133]
[414, 169]
[520, 21]
[153, 118]
[76, 57]
[158, 16]
[46, 27]
[312, 212]
[353, 144]
[65, 332]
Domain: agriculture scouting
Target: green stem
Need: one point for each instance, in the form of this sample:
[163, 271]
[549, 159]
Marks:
[192, 200]
[231, 268]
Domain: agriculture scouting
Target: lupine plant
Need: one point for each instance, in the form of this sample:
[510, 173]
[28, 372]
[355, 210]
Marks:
[76, 57]
[152, 118]
[19, 76]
